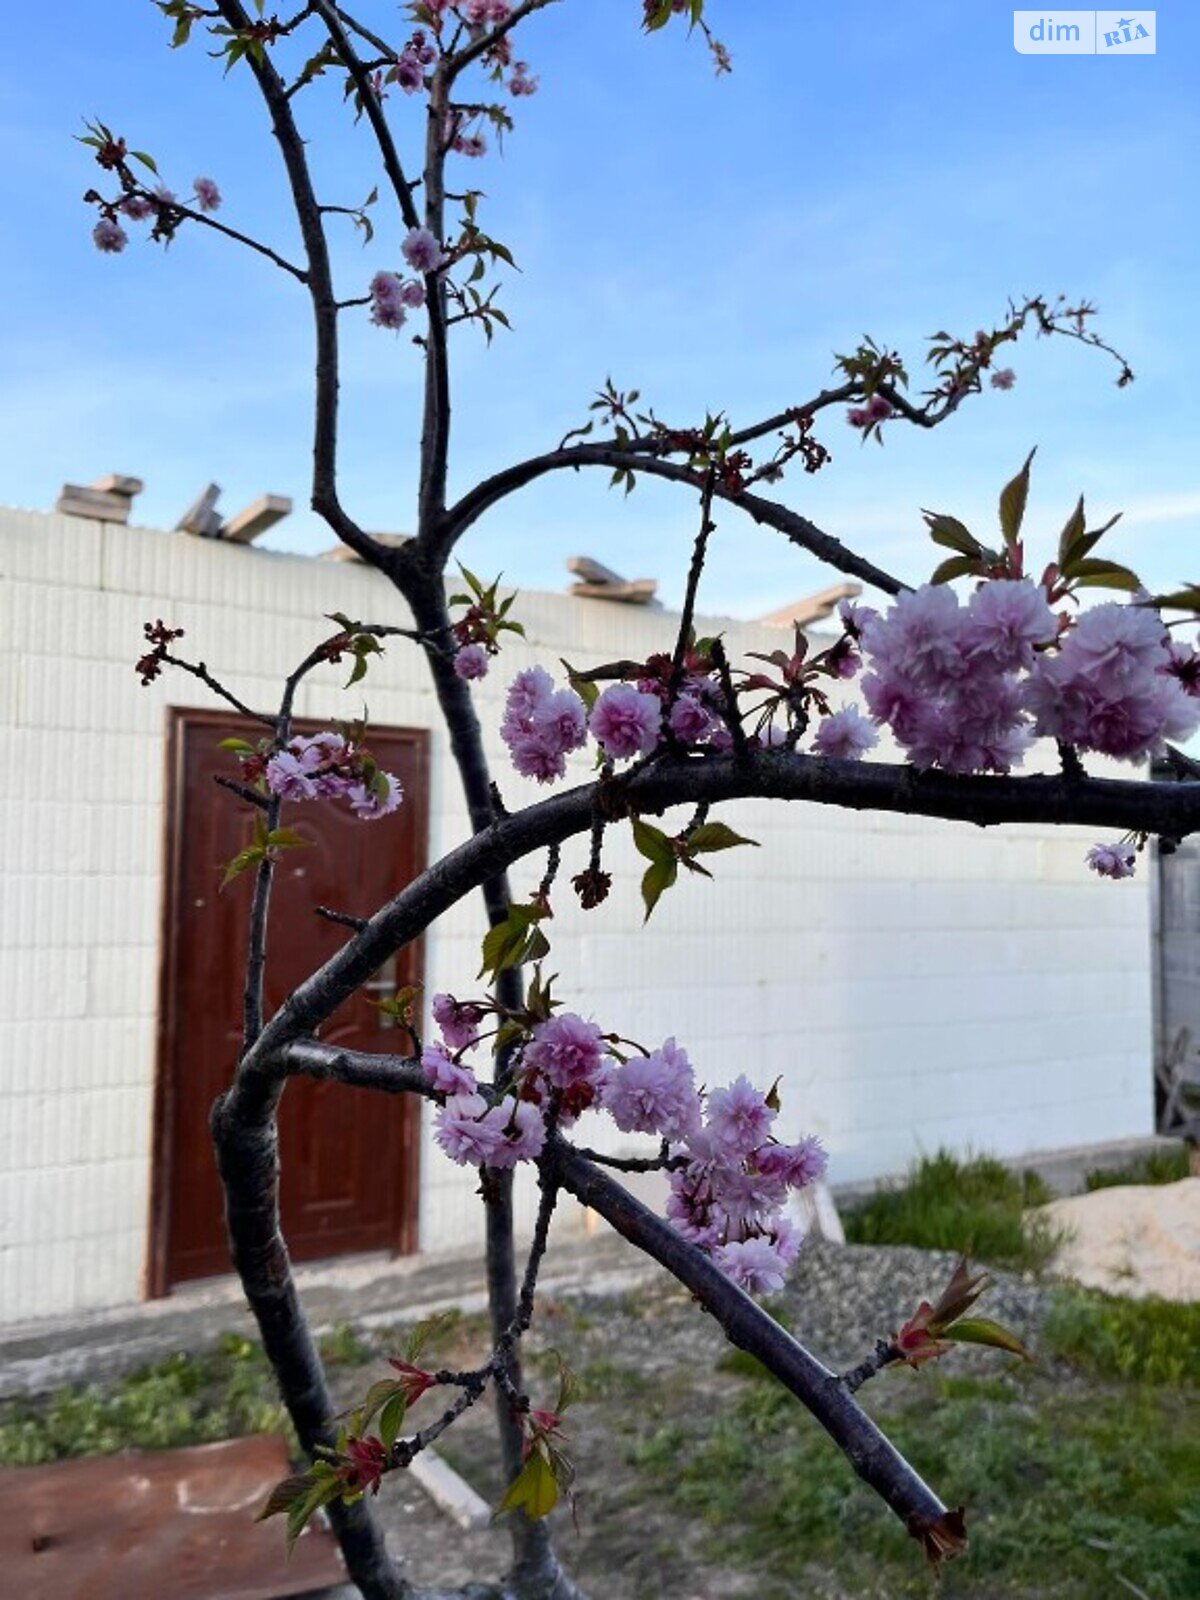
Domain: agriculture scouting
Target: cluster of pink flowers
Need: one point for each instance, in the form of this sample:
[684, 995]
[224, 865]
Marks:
[542, 725]
[877, 409]
[1117, 686]
[328, 767]
[729, 1197]
[409, 68]
[730, 1178]
[486, 13]
[392, 297]
[947, 678]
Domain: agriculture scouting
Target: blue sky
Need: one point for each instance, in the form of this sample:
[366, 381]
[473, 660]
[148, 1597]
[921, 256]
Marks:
[869, 168]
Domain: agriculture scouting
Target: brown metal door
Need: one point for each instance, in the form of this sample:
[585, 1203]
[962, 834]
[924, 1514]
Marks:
[349, 1158]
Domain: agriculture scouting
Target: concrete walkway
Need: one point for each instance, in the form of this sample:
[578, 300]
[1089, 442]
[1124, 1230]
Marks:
[373, 1292]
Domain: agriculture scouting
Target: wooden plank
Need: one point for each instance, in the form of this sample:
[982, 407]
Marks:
[202, 517]
[256, 518]
[77, 500]
[633, 591]
[151, 1523]
[118, 483]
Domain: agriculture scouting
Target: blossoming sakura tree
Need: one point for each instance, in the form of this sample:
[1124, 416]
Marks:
[965, 681]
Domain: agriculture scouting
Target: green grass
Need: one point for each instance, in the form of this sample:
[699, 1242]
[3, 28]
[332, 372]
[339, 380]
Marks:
[1066, 1496]
[1141, 1341]
[183, 1400]
[977, 1207]
[1160, 1166]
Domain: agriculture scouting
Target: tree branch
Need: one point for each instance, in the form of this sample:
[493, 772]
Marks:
[1122, 804]
[325, 498]
[480, 46]
[799, 530]
[748, 1326]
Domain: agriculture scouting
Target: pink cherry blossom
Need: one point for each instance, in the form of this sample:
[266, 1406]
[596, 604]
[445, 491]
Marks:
[471, 662]
[797, 1164]
[208, 196]
[521, 83]
[753, 1264]
[1004, 378]
[626, 722]
[691, 721]
[466, 1132]
[289, 777]
[654, 1094]
[422, 251]
[109, 237]
[522, 1132]
[412, 293]
[368, 804]
[408, 72]
[845, 735]
[445, 1074]
[387, 302]
[567, 1052]
[1113, 860]
[1006, 618]
[739, 1118]
[136, 207]
[458, 1021]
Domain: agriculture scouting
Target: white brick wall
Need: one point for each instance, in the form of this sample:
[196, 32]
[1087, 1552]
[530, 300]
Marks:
[912, 983]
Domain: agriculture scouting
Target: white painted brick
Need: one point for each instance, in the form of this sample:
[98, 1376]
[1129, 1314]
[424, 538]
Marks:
[40, 546]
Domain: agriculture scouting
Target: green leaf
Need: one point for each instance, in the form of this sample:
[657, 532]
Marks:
[715, 836]
[587, 691]
[534, 1490]
[284, 1494]
[1012, 502]
[502, 946]
[1185, 599]
[375, 1398]
[391, 1419]
[982, 1330]
[653, 843]
[1072, 532]
[954, 567]
[427, 1330]
[147, 161]
[299, 1497]
[951, 534]
[321, 1493]
[249, 857]
[657, 879]
[287, 839]
[1095, 573]
[236, 744]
